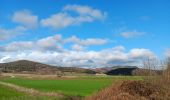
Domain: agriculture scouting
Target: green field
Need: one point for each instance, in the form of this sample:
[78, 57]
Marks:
[6, 92]
[10, 94]
[80, 86]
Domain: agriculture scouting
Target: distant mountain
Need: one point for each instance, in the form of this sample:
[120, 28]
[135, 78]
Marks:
[131, 70]
[102, 70]
[25, 66]
[121, 71]
[108, 69]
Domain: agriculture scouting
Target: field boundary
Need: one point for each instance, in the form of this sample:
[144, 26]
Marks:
[30, 91]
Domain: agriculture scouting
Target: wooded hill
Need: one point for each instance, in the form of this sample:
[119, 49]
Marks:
[25, 66]
[31, 67]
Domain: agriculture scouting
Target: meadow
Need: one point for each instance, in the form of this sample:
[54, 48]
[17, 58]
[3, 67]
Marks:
[7, 93]
[77, 86]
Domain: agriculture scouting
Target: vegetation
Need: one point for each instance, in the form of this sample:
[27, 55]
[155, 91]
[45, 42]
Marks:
[70, 87]
[155, 86]
[131, 90]
[77, 86]
[162, 80]
[121, 71]
[151, 84]
[6, 92]
[30, 67]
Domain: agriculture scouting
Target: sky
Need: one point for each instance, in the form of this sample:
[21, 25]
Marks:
[84, 33]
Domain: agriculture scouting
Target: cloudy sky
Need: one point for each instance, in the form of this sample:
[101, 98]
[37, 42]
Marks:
[84, 33]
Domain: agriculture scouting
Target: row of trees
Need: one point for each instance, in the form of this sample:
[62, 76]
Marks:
[158, 72]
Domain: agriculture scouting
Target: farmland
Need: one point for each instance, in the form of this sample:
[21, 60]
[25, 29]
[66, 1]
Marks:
[77, 86]
[7, 93]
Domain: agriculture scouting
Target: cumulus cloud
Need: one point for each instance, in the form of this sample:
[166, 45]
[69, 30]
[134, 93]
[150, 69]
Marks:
[167, 53]
[57, 21]
[9, 33]
[107, 57]
[85, 11]
[66, 18]
[26, 18]
[86, 42]
[77, 47]
[46, 50]
[51, 43]
[140, 53]
[131, 34]
[17, 46]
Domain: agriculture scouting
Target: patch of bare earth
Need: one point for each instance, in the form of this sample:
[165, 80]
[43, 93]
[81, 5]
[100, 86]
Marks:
[131, 90]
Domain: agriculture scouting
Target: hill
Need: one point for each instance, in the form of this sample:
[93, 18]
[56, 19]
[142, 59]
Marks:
[121, 71]
[25, 66]
[116, 70]
[131, 70]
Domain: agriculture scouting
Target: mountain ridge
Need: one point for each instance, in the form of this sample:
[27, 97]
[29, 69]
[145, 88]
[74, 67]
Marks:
[26, 66]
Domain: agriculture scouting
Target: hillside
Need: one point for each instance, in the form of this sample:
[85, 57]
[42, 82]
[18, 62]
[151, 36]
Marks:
[131, 70]
[116, 70]
[121, 71]
[31, 67]
[25, 66]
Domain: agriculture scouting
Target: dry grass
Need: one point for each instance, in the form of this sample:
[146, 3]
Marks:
[112, 93]
[162, 80]
[154, 87]
[131, 90]
[36, 76]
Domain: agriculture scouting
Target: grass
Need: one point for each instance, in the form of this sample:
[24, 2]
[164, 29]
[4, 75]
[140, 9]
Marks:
[6, 93]
[81, 86]
[10, 94]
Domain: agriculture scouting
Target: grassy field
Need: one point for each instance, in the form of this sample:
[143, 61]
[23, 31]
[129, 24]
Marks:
[79, 86]
[6, 92]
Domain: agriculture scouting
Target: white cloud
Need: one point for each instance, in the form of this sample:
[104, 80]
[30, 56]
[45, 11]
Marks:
[51, 43]
[131, 34]
[57, 21]
[167, 53]
[17, 46]
[25, 18]
[86, 42]
[92, 41]
[85, 11]
[66, 18]
[4, 59]
[45, 51]
[140, 53]
[118, 48]
[77, 47]
[9, 33]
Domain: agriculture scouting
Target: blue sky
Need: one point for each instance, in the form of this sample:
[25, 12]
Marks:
[131, 29]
